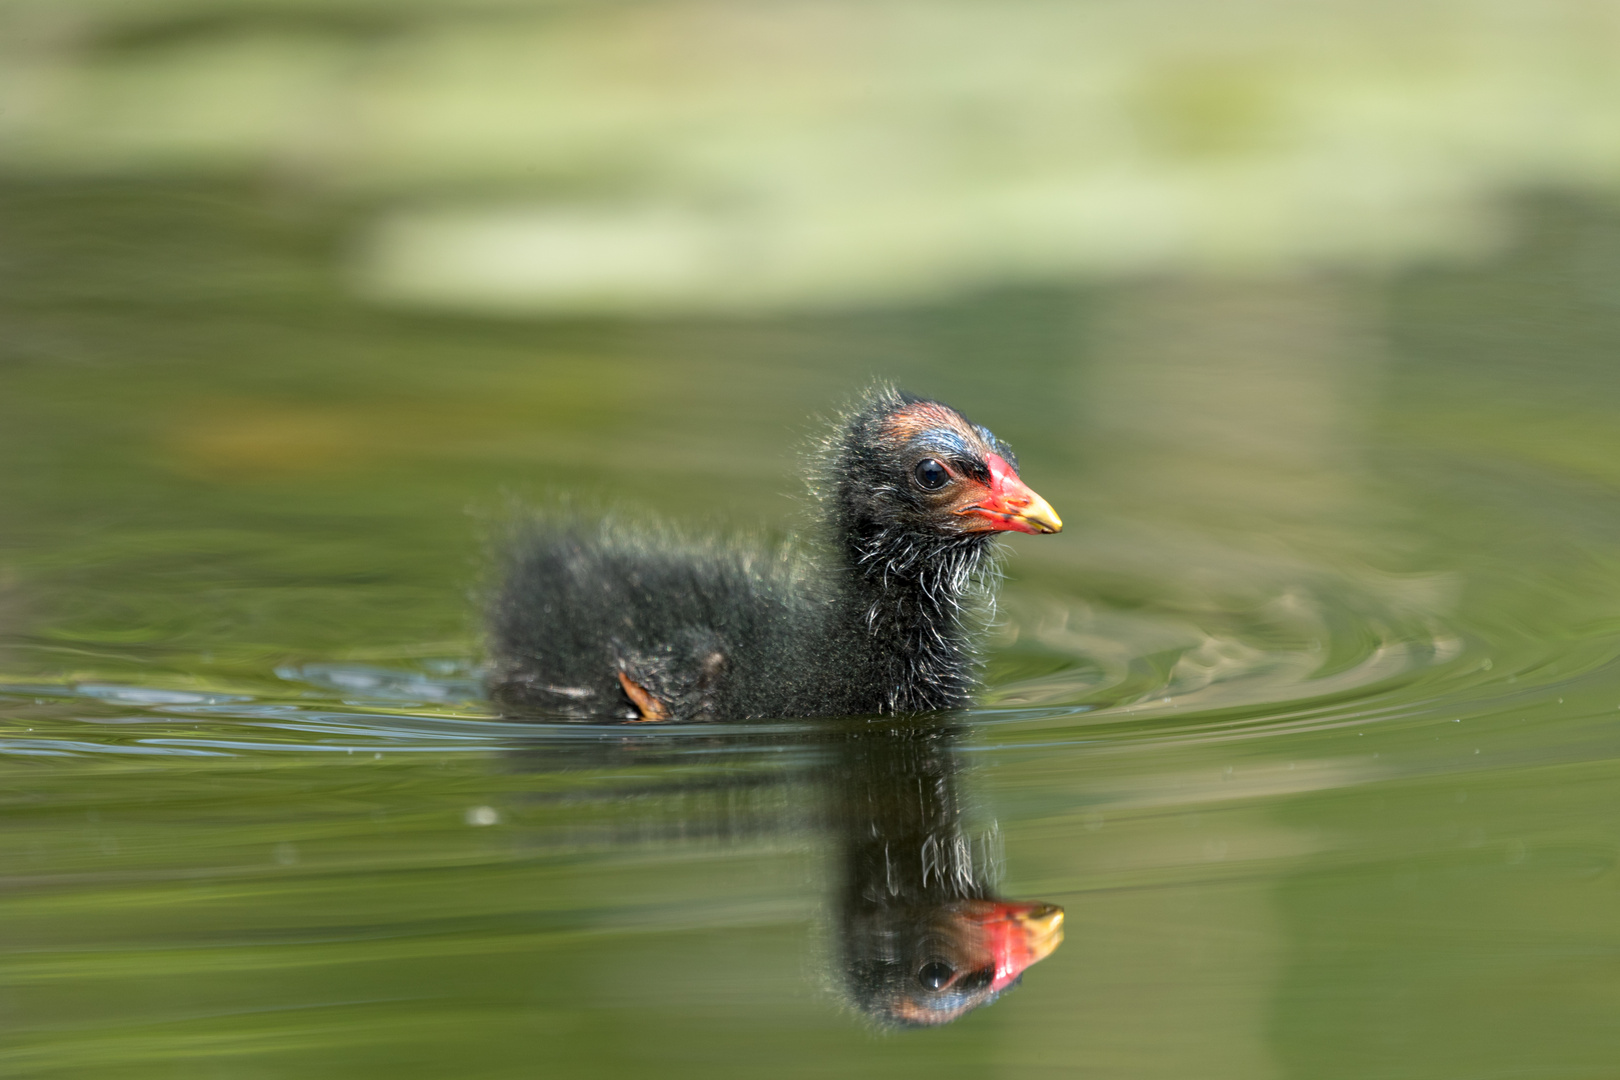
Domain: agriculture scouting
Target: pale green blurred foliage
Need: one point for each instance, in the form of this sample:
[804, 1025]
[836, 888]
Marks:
[720, 155]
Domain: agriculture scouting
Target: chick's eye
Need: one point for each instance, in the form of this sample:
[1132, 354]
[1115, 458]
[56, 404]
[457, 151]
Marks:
[931, 474]
[935, 974]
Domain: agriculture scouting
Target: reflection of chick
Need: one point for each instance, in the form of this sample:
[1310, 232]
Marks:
[922, 940]
[589, 625]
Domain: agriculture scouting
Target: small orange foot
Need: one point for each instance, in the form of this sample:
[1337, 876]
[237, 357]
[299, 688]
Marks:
[649, 707]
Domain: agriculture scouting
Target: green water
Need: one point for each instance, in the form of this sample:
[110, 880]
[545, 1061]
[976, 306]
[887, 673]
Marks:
[1310, 719]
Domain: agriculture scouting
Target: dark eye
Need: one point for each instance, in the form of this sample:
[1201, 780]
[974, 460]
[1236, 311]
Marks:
[935, 974]
[931, 474]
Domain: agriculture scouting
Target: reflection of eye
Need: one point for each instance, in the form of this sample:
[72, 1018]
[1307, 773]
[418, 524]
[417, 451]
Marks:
[935, 974]
[931, 474]
[976, 980]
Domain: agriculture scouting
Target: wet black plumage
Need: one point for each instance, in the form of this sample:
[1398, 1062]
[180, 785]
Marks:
[603, 622]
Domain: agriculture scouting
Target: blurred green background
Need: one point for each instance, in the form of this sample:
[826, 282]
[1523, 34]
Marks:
[1305, 317]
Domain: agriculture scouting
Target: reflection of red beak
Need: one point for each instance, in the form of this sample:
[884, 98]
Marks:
[1017, 935]
[1011, 505]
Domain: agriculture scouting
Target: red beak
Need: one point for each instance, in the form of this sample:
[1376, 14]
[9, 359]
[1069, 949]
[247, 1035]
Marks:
[1011, 505]
[1018, 935]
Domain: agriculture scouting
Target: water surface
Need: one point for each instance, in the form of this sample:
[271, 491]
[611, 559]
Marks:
[1310, 720]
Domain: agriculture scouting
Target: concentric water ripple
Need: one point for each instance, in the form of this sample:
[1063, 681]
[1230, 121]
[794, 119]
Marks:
[1299, 662]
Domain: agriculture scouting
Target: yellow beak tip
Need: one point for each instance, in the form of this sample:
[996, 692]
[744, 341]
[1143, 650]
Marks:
[1041, 515]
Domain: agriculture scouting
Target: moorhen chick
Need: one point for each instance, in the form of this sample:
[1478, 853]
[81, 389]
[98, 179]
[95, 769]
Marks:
[601, 623]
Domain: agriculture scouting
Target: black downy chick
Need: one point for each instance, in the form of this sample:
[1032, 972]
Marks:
[596, 623]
